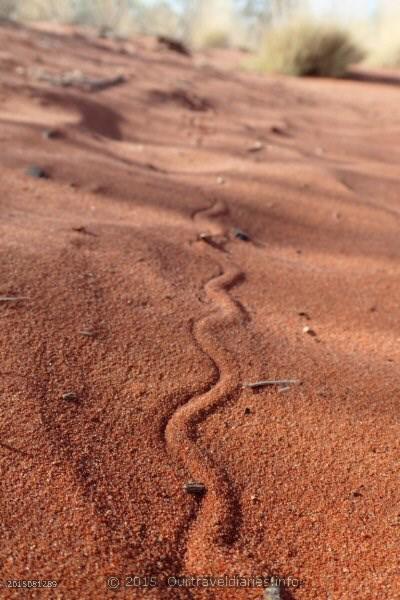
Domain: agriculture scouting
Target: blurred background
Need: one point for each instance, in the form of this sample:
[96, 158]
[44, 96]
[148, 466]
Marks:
[276, 31]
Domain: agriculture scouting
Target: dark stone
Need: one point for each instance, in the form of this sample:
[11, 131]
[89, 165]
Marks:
[194, 488]
[37, 172]
[356, 494]
[241, 235]
[304, 314]
[51, 134]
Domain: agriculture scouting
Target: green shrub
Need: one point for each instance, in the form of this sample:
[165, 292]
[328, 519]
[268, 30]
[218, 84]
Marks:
[309, 49]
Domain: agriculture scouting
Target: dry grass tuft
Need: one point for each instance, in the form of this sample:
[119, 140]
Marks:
[211, 24]
[113, 15]
[384, 43]
[215, 39]
[307, 48]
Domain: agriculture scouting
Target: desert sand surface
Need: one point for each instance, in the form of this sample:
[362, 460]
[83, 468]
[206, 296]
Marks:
[133, 312]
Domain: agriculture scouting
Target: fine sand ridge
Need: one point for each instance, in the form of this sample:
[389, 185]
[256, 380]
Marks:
[218, 519]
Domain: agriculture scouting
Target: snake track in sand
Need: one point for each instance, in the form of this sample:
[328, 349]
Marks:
[218, 518]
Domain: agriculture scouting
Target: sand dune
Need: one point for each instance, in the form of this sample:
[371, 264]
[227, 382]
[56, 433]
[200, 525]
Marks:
[132, 313]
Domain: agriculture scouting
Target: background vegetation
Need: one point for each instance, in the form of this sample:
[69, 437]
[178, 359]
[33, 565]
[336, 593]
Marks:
[284, 34]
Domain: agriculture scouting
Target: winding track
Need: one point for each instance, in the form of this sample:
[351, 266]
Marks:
[219, 516]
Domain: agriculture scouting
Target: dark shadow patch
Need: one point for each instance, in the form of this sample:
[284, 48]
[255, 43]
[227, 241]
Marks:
[374, 77]
[96, 117]
[172, 44]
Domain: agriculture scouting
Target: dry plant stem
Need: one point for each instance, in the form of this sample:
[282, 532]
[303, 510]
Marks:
[257, 384]
[88, 333]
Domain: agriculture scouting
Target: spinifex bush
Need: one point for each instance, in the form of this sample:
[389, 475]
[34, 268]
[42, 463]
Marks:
[309, 49]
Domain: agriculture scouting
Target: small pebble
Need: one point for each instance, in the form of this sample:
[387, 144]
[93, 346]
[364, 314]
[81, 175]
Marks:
[304, 314]
[37, 172]
[206, 237]
[309, 331]
[241, 235]
[256, 147]
[356, 494]
[51, 134]
[247, 411]
[97, 189]
[278, 130]
[194, 488]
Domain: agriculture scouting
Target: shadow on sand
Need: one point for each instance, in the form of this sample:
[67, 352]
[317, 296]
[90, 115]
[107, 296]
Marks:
[379, 77]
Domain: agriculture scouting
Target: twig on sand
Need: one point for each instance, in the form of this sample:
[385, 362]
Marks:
[80, 80]
[210, 239]
[82, 229]
[12, 298]
[96, 85]
[70, 397]
[88, 332]
[284, 382]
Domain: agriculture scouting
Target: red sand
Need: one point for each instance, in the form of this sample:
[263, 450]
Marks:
[302, 482]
